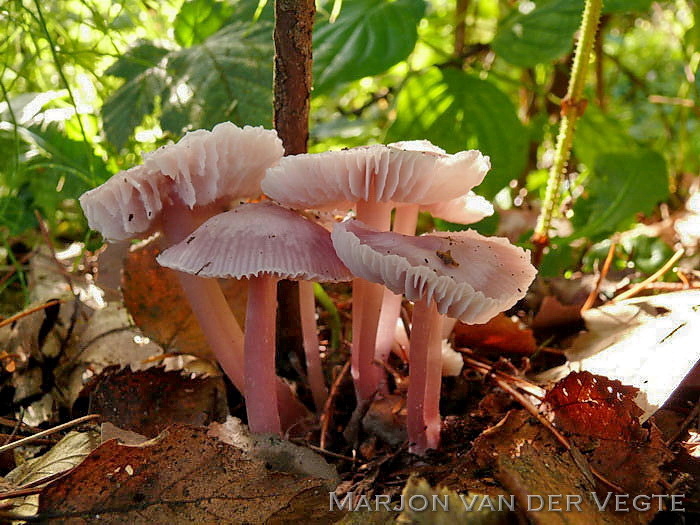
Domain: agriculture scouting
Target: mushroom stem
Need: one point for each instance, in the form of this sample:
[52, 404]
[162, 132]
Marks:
[423, 401]
[366, 308]
[219, 326]
[260, 376]
[405, 221]
[307, 309]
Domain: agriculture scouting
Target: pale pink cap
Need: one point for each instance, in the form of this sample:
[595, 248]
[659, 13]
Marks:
[410, 172]
[467, 209]
[255, 239]
[225, 163]
[470, 277]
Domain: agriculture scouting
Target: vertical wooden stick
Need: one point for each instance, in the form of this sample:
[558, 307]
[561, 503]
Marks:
[292, 93]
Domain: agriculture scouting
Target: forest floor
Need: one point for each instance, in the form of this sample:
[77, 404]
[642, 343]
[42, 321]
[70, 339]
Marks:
[112, 411]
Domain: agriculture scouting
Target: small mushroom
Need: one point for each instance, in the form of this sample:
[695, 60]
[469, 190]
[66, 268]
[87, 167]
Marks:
[263, 242]
[178, 187]
[466, 209]
[373, 180]
[459, 274]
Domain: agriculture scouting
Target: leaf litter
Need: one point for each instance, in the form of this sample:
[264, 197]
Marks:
[145, 372]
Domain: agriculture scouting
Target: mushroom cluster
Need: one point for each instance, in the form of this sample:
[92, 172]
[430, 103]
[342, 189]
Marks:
[190, 192]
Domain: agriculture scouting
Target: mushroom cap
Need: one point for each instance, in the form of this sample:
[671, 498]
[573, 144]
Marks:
[225, 163]
[466, 209]
[414, 172]
[255, 239]
[470, 277]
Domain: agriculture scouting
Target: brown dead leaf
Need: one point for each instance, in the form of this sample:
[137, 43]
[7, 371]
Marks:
[500, 334]
[553, 313]
[148, 401]
[530, 464]
[183, 476]
[602, 418]
[153, 297]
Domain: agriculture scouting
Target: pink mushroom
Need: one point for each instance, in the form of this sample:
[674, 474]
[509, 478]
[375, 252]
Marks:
[373, 180]
[263, 242]
[462, 275]
[466, 209]
[178, 187]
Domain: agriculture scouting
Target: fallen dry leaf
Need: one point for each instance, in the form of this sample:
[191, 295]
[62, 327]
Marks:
[154, 299]
[602, 419]
[500, 334]
[553, 313]
[531, 465]
[650, 343]
[183, 476]
[148, 401]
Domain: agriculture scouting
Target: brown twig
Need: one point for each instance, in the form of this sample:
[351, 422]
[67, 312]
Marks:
[32, 310]
[640, 286]
[328, 407]
[603, 272]
[31, 439]
[47, 238]
[460, 26]
[12, 423]
[487, 369]
[294, 21]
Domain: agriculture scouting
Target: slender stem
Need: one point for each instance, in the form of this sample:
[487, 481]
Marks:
[573, 107]
[368, 370]
[334, 323]
[421, 403]
[260, 377]
[307, 308]
[59, 68]
[460, 26]
[405, 221]
[433, 382]
[219, 326]
[209, 305]
[367, 302]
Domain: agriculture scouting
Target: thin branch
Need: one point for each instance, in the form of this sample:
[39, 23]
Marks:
[31, 439]
[659, 273]
[603, 272]
[572, 108]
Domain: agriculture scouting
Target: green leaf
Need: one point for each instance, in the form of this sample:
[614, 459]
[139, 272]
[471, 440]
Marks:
[198, 19]
[367, 38]
[17, 212]
[598, 133]
[127, 106]
[227, 77]
[626, 6]
[142, 56]
[622, 185]
[540, 36]
[459, 111]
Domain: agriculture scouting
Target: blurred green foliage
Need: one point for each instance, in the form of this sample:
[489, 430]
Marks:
[89, 85]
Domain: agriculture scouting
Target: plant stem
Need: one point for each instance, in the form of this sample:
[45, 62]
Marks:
[334, 323]
[292, 94]
[423, 403]
[405, 221]
[314, 370]
[460, 26]
[260, 376]
[219, 326]
[59, 68]
[572, 108]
